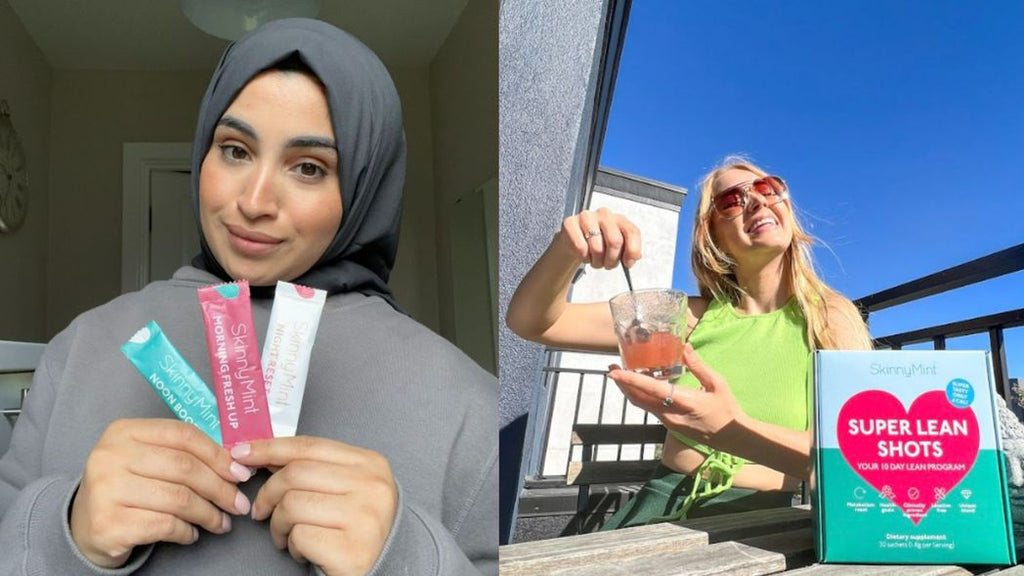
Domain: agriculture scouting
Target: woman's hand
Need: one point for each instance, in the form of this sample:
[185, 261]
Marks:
[602, 238]
[713, 417]
[153, 480]
[697, 414]
[538, 310]
[329, 503]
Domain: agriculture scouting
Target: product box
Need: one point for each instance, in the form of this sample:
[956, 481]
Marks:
[907, 462]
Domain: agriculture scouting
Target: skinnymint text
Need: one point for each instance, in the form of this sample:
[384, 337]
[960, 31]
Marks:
[245, 367]
[189, 397]
[906, 371]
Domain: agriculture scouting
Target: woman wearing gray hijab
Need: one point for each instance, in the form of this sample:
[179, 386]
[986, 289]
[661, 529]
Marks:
[298, 168]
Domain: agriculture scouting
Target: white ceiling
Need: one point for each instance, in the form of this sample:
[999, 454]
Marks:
[154, 34]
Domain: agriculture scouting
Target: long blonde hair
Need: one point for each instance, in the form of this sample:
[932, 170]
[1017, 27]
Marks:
[716, 276]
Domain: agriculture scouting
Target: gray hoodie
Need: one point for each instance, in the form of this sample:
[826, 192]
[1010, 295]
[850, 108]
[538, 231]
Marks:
[377, 380]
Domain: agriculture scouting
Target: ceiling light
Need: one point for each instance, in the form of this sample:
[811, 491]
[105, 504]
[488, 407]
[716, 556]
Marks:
[232, 19]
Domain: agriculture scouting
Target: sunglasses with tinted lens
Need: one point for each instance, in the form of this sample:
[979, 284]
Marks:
[733, 201]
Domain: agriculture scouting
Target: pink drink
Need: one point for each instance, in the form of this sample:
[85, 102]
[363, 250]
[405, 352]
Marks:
[649, 325]
[656, 354]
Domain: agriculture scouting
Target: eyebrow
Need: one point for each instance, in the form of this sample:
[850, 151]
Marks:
[296, 142]
[311, 142]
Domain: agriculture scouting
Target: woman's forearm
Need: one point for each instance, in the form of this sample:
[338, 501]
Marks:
[782, 449]
[539, 311]
[540, 299]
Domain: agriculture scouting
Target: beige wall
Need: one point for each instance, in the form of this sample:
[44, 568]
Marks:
[464, 101]
[94, 113]
[25, 80]
[414, 278]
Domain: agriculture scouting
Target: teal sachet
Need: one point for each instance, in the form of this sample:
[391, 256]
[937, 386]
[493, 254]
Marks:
[184, 392]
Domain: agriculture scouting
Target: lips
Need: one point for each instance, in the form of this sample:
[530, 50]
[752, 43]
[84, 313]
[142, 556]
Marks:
[760, 223]
[251, 242]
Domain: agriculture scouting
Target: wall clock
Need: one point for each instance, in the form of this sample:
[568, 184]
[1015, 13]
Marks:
[13, 175]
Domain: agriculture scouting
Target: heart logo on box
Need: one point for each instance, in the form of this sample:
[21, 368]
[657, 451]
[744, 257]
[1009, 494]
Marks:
[912, 457]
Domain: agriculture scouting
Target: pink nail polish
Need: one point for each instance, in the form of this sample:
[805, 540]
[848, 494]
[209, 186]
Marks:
[241, 473]
[240, 450]
[241, 503]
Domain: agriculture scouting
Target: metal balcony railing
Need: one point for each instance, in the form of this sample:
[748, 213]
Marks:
[979, 270]
[580, 395]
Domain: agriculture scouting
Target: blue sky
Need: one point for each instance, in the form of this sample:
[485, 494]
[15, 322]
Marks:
[899, 127]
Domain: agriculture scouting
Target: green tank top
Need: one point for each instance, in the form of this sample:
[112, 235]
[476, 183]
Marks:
[766, 360]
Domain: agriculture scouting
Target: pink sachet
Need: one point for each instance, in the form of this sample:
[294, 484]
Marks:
[235, 363]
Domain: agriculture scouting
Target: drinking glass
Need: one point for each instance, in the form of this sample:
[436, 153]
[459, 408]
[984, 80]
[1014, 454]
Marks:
[651, 326]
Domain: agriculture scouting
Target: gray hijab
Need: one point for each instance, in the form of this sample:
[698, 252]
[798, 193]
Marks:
[367, 120]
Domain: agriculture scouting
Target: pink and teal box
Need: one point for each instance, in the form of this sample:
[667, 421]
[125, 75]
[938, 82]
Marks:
[907, 464]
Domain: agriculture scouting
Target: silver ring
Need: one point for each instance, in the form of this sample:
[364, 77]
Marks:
[668, 399]
[591, 234]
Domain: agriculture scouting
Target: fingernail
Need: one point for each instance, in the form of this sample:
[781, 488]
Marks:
[241, 503]
[240, 450]
[225, 523]
[256, 515]
[240, 472]
[195, 534]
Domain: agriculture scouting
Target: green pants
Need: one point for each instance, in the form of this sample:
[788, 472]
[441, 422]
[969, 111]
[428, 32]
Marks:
[667, 489]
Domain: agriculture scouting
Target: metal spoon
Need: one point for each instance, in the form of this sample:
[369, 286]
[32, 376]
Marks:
[642, 334]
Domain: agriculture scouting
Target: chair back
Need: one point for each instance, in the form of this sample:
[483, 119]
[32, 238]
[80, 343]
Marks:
[18, 360]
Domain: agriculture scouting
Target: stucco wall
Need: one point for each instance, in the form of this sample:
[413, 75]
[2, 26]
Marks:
[549, 54]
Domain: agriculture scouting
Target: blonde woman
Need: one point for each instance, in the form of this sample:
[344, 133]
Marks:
[738, 419]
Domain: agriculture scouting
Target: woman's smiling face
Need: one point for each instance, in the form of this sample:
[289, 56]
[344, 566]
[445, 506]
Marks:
[269, 191]
[760, 228]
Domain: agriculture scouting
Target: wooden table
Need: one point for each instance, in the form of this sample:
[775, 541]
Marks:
[746, 544]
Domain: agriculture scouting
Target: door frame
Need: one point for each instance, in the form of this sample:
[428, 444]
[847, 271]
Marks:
[139, 161]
